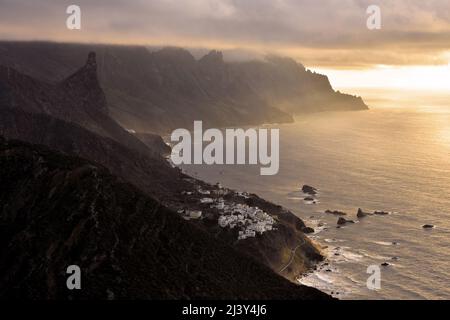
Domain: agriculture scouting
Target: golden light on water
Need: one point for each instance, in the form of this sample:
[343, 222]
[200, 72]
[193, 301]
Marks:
[444, 136]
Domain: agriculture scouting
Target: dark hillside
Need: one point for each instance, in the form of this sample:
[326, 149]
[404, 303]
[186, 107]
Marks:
[57, 210]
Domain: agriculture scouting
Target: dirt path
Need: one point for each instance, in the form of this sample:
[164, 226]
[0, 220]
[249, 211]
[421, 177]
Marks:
[294, 251]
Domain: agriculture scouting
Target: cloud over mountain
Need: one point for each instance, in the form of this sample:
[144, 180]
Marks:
[413, 32]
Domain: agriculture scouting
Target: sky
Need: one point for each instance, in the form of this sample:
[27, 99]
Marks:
[411, 49]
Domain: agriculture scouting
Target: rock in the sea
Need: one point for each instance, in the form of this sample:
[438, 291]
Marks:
[342, 221]
[308, 230]
[381, 213]
[309, 190]
[336, 213]
[362, 214]
[428, 226]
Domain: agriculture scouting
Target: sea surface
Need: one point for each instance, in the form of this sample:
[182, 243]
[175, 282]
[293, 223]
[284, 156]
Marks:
[395, 158]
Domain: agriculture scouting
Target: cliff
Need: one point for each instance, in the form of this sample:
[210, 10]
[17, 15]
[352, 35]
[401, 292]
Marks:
[166, 89]
[77, 99]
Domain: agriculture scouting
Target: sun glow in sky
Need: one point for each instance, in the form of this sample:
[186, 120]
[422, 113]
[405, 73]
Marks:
[435, 78]
[411, 50]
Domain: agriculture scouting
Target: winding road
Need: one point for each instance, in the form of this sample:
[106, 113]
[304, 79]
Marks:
[294, 251]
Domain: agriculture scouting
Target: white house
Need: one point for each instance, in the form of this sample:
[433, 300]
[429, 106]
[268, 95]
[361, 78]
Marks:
[195, 214]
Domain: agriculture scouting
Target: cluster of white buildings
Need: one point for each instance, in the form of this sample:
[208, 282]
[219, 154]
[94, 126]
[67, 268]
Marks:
[250, 220]
[203, 192]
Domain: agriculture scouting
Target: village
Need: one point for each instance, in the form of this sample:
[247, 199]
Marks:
[249, 221]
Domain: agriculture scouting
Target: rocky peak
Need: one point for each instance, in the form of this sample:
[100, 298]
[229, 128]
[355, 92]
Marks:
[213, 57]
[87, 74]
[84, 85]
[92, 61]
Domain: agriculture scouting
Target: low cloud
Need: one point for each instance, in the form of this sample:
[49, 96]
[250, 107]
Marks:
[328, 33]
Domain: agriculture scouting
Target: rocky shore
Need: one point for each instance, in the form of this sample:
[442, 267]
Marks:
[272, 246]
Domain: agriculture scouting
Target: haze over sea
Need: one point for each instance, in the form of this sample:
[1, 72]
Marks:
[394, 158]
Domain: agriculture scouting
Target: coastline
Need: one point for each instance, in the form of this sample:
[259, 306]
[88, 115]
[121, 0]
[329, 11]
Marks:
[352, 180]
[269, 248]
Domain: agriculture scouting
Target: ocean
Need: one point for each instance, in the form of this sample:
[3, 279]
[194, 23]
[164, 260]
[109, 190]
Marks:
[395, 158]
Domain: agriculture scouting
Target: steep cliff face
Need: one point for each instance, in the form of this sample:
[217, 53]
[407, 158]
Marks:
[57, 211]
[169, 88]
[78, 99]
[84, 83]
[291, 87]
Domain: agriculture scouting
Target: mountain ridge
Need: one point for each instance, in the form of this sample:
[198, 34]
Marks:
[168, 88]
